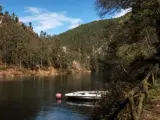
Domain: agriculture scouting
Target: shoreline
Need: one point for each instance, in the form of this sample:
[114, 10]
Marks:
[13, 72]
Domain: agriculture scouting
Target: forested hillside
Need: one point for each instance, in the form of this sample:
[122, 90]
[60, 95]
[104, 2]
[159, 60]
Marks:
[86, 44]
[89, 37]
[124, 52]
[104, 45]
[16, 40]
[125, 45]
[22, 47]
[89, 40]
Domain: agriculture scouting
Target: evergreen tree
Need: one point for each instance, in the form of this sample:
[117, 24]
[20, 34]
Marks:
[13, 16]
[1, 9]
[23, 26]
[30, 24]
[16, 19]
[6, 13]
[41, 34]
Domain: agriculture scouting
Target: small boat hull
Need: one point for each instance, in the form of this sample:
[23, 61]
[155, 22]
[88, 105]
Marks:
[81, 98]
[85, 95]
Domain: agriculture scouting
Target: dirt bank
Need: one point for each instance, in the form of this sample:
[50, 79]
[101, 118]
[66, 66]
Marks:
[12, 72]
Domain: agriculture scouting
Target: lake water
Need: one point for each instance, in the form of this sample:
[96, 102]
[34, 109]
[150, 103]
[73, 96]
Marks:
[33, 98]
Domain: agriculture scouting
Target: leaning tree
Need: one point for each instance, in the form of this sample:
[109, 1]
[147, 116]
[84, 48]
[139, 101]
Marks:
[142, 11]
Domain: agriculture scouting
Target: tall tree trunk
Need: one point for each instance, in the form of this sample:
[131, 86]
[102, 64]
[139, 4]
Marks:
[41, 61]
[17, 54]
[20, 63]
[133, 108]
[140, 105]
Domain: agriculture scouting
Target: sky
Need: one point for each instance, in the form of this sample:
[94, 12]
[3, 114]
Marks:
[55, 16]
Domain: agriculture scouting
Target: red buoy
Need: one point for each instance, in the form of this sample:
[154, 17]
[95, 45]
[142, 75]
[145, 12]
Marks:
[58, 96]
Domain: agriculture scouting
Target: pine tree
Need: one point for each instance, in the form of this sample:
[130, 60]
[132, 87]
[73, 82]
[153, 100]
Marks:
[13, 16]
[30, 25]
[16, 19]
[1, 9]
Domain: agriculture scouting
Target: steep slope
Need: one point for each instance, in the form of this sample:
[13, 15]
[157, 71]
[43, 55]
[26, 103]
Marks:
[88, 37]
[16, 41]
[20, 46]
[91, 39]
[117, 47]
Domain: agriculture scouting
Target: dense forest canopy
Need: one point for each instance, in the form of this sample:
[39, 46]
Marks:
[88, 39]
[145, 15]
[21, 46]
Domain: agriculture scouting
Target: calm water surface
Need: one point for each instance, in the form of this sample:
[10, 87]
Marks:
[33, 98]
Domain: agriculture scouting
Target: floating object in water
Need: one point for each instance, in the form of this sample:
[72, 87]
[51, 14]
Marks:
[58, 96]
[86, 95]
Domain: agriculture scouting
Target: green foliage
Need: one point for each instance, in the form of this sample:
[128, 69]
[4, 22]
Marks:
[16, 19]
[104, 40]
[84, 37]
[30, 24]
[134, 47]
[20, 46]
[3, 68]
[1, 9]
[28, 50]
[85, 40]
[129, 53]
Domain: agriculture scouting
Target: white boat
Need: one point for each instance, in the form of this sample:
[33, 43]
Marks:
[86, 95]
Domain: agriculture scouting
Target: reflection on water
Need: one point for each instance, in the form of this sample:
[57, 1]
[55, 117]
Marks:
[33, 98]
